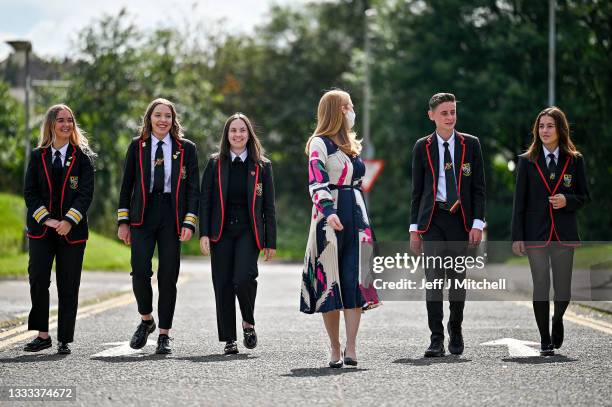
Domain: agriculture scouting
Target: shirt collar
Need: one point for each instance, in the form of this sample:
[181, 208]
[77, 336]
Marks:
[62, 150]
[165, 140]
[451, 140]
[243, 156]
[546, 152]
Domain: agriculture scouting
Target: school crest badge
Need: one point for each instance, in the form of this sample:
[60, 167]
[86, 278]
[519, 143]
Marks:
[467, 169]
[567, 180]
[74, 182]
[259, 189]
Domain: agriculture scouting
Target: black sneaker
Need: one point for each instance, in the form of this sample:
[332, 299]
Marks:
[250, 338]
[163, 345]
[38, 344]
[144, 329]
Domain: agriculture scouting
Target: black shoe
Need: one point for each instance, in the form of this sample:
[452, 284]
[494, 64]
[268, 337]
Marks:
[144, 329]
[163, 345]
[547, 350]
[38, 344]
[63, 348]
[436, 348]
[348, 360]
[455, 341]
[250, 338]
[230, 348]
[557, 333]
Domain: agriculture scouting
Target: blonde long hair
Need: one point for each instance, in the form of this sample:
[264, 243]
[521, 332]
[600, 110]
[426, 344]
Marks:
[47, 130]
[332, 123]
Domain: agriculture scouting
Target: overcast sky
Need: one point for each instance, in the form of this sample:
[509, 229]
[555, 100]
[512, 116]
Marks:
[51, 24]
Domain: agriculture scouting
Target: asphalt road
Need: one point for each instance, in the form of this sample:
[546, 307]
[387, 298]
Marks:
[289, 365]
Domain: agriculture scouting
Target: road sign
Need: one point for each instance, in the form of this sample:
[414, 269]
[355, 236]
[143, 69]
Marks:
[373, 170]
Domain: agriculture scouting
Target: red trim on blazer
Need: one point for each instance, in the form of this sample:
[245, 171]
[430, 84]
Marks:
[45, 227]
[178, 186]
[253, 207]
[144, 196]
[73, 160]
[550, 208]
[435, 178]
[461, 138]
[221, 198]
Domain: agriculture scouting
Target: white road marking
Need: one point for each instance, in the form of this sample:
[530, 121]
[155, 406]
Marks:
[516, 347]
[123, 349]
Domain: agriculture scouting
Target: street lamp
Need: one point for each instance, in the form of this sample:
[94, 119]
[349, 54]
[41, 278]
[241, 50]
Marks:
[22, 50]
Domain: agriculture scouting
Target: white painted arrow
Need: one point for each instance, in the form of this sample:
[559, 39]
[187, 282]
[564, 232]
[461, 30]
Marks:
[516, 347]
[122, 349]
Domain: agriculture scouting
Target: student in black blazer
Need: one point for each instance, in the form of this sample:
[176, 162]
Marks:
[550, 187]
[58, 190]
[237, 221]
[447, 213]
[158, 205]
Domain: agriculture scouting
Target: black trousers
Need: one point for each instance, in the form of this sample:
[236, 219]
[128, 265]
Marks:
[68, 265]
[234, 273]
[446, 237]
[559, 259]
[158, 228]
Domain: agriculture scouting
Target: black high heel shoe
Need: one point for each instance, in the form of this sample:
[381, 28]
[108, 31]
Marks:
[347, 360]
[336, 364]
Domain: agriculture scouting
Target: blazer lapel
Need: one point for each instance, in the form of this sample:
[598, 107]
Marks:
[251, 180]
[434, 155]
[224, 164]
[145, 159]
[457, 156]
[67, 162]
[47, 162]
[176, 165]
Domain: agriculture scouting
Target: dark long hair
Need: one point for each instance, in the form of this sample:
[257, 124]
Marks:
[176, 131]
[563, 132]
[254, 147]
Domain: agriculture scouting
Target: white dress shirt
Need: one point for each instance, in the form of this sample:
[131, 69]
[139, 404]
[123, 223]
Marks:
[441, 191]
[546, 152]
[62, 151]
[243, 156]
[167, 149]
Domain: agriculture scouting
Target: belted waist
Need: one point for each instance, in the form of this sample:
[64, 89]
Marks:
[445, 206]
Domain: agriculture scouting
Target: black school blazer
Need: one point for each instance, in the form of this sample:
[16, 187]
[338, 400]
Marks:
[260, 195]
[533, 218]
[75, 197]
[184, 180]
[469, 172]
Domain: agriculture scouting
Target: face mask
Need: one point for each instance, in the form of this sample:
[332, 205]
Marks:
[350, 118]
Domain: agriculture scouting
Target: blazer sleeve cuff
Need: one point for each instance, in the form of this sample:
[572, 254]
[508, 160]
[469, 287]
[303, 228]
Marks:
[73, 216]
[123, 215]
[190, 221]
[41, 214]
[328, 209]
